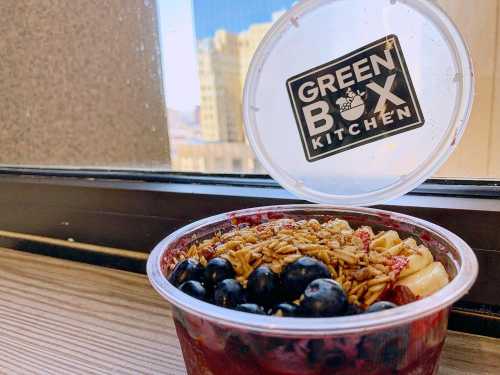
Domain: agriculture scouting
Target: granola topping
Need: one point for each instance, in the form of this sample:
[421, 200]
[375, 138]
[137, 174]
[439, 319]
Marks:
[364, 263]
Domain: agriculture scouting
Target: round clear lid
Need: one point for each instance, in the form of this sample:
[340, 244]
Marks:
[355, 102]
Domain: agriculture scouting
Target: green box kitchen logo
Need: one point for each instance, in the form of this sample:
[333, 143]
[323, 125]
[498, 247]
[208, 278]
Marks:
[356, 99]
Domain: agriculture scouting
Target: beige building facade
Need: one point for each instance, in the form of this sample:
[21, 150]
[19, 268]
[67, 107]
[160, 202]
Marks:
[235, 157]
[220, 114]
[223, 63]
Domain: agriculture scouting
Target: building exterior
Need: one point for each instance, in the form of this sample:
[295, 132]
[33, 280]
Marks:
[223, 64]
[234, 157]
[248, 41]
[220, 114]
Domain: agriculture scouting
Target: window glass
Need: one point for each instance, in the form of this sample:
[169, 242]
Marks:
[204, 79]
[157, 85]
[478, 155]
[226, 34]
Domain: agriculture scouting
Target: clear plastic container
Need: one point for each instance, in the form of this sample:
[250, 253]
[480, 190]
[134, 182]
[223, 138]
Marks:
[404, 340]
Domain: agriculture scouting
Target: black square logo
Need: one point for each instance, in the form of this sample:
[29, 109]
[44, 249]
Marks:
[356, 99]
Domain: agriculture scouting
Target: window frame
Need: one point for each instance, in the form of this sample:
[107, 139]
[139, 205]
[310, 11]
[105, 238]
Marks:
[485, 188]
[133, 210]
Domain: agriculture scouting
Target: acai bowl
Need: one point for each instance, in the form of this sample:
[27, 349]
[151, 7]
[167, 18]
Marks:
[343, 110]
[405, 339]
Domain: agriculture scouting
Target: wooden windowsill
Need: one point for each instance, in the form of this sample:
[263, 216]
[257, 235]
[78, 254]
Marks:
[61, 317]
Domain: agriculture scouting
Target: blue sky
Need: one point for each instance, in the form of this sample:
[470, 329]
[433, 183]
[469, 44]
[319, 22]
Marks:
[233, 15]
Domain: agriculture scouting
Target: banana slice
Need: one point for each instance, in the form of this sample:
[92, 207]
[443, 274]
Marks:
[426, 281]
[385, 241]
[416, 262]
[395, 250]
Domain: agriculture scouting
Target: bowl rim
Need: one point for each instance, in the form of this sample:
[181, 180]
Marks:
[283, 326]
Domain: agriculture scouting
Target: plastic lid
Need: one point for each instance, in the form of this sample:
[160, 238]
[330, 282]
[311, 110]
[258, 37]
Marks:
[355, 102]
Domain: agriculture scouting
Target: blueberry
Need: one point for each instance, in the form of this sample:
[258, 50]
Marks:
[243, 358]
[234, 344]
[285, 309]
[229, 293]
[335, 359]
[186, 270]
[315, 351]
[194, 289]
[299, 274]
[380, 306]
[322, 298]
[353, 310]
[218, 269]
[251, 308]
[387, 347]
[263, 286]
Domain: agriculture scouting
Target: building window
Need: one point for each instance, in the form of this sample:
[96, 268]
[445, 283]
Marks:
[219, 163]
[237, 165]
